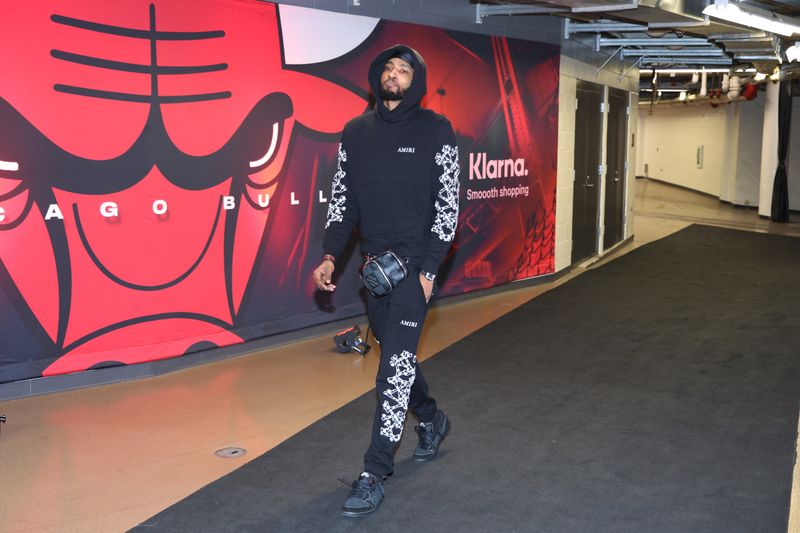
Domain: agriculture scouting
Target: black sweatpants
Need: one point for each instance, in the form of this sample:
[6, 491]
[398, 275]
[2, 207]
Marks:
[396, 320]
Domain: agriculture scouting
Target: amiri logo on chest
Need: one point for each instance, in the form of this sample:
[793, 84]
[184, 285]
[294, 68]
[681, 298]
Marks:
[405, 150]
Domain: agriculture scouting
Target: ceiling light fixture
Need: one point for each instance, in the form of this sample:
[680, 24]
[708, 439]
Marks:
[752, 17]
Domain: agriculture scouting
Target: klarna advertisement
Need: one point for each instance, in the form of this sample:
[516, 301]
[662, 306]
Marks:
[166, 167]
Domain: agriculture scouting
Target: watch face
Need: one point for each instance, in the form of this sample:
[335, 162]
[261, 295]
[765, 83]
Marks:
[429, 276]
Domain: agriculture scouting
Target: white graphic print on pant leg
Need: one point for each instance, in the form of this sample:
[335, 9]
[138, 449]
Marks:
[394, 409]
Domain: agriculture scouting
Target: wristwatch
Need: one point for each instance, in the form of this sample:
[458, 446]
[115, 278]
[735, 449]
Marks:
[428, 275]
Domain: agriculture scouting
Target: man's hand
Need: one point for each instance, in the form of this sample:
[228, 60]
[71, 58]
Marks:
[322, 276]
[427, 287]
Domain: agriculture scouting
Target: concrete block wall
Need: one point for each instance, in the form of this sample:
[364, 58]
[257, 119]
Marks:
[731, 137]
[565, 180]
[572, 70]
[674, 134]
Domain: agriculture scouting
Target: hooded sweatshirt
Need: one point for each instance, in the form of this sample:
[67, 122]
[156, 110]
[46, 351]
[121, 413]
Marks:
[396, 177]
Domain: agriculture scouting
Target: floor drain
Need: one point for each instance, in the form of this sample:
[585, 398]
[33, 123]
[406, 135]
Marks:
[230, 451]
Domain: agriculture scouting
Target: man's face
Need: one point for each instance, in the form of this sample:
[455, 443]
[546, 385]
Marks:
[396, 79]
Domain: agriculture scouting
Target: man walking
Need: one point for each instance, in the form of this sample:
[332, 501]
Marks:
[397, 181]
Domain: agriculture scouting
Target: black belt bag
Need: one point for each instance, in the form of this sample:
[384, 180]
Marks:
[381, 273]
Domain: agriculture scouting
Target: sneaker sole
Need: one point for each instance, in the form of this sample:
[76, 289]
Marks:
[444, 436]
[355, 514]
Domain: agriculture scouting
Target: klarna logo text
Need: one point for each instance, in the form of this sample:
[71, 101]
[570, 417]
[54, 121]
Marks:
[480, 167]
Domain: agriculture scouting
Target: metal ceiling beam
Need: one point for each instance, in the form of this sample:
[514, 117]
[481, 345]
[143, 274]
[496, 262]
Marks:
[606, 7]
[484, 10]
[757, 57]
[680, 24]
[741, 37]
[595, 27]
[688, 60]
[752, 44]
[739, 49]
[683, 41]
[711, 52]
[553, 6]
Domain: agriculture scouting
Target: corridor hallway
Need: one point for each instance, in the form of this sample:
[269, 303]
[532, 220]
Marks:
[109, 457]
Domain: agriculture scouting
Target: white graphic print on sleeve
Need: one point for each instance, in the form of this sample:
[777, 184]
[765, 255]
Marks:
[336, 206]
[394, 409]
[444, 225]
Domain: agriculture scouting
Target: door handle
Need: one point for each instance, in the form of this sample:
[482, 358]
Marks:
[587, 184]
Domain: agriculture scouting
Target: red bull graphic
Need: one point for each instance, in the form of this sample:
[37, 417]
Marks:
[165, 168]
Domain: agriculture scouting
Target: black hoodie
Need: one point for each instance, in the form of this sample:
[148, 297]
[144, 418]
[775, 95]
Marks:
[397, 177]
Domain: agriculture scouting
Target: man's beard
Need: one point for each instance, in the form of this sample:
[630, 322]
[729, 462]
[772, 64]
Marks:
[387, 94]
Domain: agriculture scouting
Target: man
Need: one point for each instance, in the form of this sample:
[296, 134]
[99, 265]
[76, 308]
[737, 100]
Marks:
[397, 180]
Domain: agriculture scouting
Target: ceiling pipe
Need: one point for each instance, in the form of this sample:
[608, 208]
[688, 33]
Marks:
[688, 60]
[711, 52]
[734, 87]
[658, 41]
[483, 10]
[595, 27]
[703, 83]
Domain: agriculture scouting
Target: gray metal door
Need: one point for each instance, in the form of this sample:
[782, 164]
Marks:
[616, 152]
[588, 136]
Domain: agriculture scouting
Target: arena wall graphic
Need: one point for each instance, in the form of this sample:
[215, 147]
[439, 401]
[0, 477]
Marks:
[165, 168]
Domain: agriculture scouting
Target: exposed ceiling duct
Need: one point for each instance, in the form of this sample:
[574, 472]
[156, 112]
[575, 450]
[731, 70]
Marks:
[651, 18]
[689, 34]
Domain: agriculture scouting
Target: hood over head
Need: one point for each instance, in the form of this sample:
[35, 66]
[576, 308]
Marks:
[410, 103]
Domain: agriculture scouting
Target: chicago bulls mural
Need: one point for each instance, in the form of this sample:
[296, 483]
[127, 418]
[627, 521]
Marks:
[164, 168]
[142, 145]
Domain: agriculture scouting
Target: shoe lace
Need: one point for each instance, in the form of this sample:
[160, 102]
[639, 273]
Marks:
[425, 435]
[360, 486]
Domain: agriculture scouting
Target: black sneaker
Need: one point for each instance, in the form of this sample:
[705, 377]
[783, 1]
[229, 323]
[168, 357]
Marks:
[431, 435]
[366, 496]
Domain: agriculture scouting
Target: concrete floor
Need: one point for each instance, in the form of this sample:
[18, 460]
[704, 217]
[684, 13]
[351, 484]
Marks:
[107, 458]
